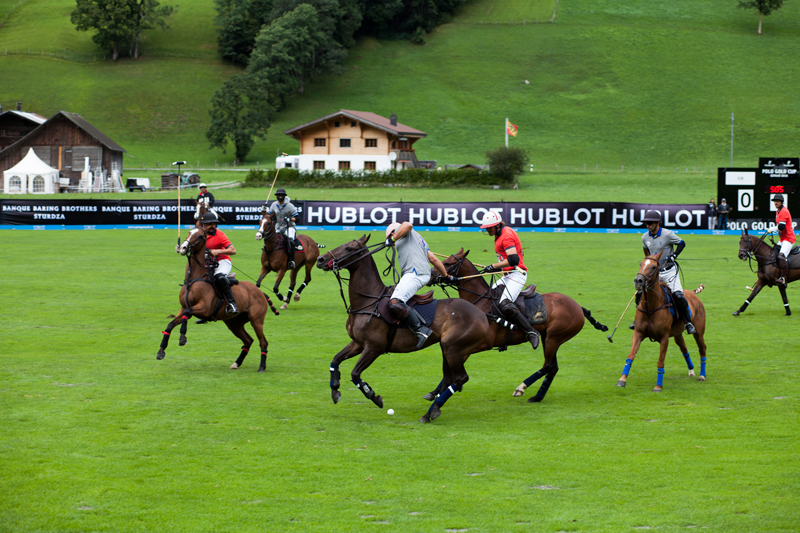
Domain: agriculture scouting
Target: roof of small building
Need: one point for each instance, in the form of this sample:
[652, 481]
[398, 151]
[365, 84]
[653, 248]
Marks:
[366, 117]
[33, 117]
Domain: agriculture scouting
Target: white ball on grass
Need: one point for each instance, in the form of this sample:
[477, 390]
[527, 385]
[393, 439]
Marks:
[390, 412]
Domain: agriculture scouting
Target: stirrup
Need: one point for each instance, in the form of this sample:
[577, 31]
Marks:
[533, 338]
[291, 265]
[231, 309]
[781, 281]
[632, 326]
[422, 335]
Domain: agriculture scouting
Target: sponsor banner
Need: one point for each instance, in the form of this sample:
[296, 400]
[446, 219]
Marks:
[435, 216]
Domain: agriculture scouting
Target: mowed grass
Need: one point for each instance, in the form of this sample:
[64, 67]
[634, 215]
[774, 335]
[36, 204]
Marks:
[505, 11]
[97, 435]
[611, 84]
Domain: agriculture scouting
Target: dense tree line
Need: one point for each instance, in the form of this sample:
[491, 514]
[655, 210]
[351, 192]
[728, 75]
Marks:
[118, 24]
[285, 44]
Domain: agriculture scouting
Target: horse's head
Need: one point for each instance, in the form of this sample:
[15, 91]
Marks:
[747, 245]
[345, 256]
[266, 227]
[647, 276]
[456, 265]
[194, 242]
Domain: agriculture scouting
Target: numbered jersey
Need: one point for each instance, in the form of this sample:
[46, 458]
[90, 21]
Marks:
[788, 232]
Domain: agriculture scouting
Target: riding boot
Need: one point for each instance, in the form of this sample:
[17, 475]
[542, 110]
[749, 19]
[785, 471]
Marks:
[411, 319]
[290, 252]
[513, 314]
[638, 299]
[783, 265]
[682, 306]
[224, 286]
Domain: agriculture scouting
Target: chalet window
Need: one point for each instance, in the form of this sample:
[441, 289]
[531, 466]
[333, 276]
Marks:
[394, 145]
[371, 143]
[353, 124]
[344, 165]
[335, 123]
[319, 143]
[344, 143]
[369, 165]
[319, 165]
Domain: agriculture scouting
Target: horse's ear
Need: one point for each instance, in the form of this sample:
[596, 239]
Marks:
[466, 253]
[744, 231]
[364, 238]
[658, 255]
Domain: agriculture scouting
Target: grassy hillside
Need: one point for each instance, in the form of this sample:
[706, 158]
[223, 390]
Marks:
[644, 85]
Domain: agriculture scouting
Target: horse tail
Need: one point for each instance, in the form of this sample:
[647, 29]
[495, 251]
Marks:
[592, 321]
[699, 289]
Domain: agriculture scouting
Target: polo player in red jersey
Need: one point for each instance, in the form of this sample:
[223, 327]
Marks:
[221, 248]
[783, 219]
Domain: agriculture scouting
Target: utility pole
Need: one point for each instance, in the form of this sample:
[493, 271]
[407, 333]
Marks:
[731, 140]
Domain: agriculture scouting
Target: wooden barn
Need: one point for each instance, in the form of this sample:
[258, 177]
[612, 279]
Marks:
[64, 141]
[16, 124]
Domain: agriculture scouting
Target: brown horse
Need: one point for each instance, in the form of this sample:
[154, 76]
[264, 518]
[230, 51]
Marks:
[768, 272]
[458, 326]
[565, 318]
[199, 298]
[275, 258]
[654, 321]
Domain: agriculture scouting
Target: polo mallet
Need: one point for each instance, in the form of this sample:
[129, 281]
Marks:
[446, 256]
[274, 179]
[620, 319]
[179, 163]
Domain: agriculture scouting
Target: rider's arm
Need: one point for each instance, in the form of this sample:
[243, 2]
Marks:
[505, 263]
[404, 229]
[679, 248]
[437, 264]
[230, 250]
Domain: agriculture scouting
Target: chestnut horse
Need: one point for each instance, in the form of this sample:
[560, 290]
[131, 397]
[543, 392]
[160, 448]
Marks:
[655, 322]
[565, 318]
[458, 326]
[768, 272]
[274, 258]
[199, 298]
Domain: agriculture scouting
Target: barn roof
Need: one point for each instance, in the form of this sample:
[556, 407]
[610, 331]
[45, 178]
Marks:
[33, 117]
[366, 117]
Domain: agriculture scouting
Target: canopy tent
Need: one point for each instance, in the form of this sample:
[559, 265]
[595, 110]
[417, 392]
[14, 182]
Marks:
[31, 175]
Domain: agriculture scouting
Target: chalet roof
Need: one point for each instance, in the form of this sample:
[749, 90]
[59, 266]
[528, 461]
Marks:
[33, 117]
[78, 121]
[366, 117]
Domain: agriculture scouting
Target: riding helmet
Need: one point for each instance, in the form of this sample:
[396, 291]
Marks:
[391, 228]
[203, 186]
[491, 218]
[652, 216]
[777, 198]
[209, 218]
[280, 192]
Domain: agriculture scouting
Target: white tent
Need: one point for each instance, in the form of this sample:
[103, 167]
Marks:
[31, 175]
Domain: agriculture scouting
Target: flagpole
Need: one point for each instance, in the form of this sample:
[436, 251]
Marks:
[506, 129]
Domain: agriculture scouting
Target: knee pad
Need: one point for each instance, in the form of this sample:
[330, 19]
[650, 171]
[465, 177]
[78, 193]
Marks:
[399, 309]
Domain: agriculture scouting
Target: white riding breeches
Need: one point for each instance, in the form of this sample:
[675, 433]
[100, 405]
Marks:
[671, 279]
[408, 286]
[224, 267]
[513, 282]
[786, 247]
[291, 232]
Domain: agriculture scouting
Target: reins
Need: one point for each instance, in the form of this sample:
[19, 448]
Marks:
[336, 265]
[752, 250]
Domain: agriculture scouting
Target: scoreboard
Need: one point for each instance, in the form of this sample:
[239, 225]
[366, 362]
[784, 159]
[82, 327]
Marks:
[749, 191]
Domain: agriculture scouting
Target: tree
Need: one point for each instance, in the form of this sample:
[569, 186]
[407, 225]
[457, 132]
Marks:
[239, 23]
[507, 163]
[149, 14]
[239, 112]
[764, 8]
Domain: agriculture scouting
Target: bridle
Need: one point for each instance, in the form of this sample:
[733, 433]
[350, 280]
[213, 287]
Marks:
[337, 264]
[192, 254]
[453, 271]
[650, 284]
[751, 249]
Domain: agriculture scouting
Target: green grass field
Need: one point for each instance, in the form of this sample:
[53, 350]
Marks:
[97, 435]
[644, 85]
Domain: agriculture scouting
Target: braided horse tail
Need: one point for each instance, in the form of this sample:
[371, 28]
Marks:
[597, 325]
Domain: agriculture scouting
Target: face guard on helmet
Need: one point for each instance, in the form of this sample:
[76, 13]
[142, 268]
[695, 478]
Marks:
[491, 218]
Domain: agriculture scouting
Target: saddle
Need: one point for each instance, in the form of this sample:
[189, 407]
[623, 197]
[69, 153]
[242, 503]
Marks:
[423, 304]
[283, 242]
[531, 303]
[794, 256]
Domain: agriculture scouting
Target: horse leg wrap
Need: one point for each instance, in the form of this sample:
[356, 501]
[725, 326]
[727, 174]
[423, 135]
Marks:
[365, 389]
[289, 293]
[303, 286]
[443, 396]
[263, 365]
[335, 376]
[688, 361]
[535, 377]
[278, 294]
[164, 339]
[628, 363]
[184, 323]
[660, 380]
[702, 366]
[241, 357]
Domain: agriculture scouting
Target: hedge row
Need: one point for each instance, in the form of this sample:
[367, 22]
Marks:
[415, 177]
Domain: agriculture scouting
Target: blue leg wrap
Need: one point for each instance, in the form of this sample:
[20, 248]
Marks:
[660, 381]
[688, 361]
[628, 363]
[443, 396]
[702, 366]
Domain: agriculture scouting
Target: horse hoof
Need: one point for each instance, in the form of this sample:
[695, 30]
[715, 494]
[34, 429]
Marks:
[736, 313]
[691, 373]
[262, 369]
[377, 400]
[284, 307]
[296, 297]
[657, 389]
[435, 412]
[429, 397]
[234, 366]
[519, 391]
[182, 341]
[701, 378]
[535, 399]
[335, 394]
[426, 418]
[621, 383]
[161, 355]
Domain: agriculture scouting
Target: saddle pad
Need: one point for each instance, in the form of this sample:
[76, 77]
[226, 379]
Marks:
[535, 308]
[794, 259]
[426, 311]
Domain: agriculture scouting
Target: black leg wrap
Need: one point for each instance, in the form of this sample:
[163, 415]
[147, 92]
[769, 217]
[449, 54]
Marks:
[535, 377]
[303, 286]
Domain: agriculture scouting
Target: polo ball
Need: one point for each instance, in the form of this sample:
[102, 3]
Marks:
[390, 412]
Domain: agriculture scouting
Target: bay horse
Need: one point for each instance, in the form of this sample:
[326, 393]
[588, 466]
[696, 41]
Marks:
[274, 258]
[565, 319]
[654, 321]
[199, 298]
[459, 327]
[768, 272]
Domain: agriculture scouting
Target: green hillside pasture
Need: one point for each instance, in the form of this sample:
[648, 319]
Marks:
[505, 11]
[98, 435]
[44, 25]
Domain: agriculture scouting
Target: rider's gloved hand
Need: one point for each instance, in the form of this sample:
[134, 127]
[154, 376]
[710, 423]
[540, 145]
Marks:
[389, 242]
[490, 269]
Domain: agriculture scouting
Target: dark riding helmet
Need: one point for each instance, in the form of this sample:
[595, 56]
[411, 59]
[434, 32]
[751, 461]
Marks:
[652, 216]
[777, 198]
[280, 192]
[209, 218]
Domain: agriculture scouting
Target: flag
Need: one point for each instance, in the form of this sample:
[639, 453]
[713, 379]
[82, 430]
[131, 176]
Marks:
[511, 129]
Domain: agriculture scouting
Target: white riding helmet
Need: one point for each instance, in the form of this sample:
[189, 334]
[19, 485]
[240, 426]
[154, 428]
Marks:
[491, 218]
[203, 185]
[391, 228]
